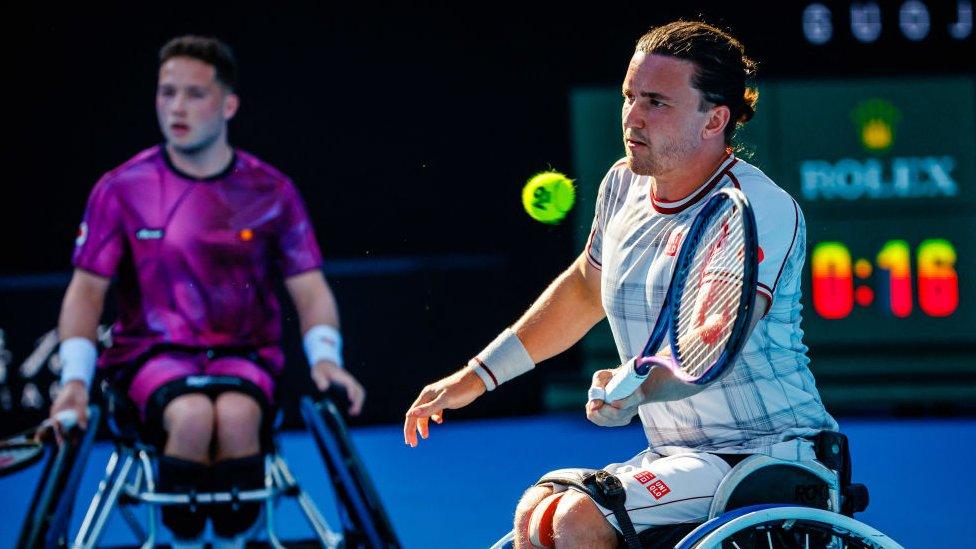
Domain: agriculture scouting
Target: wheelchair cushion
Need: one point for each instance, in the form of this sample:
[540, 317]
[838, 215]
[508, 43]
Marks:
[780, 484]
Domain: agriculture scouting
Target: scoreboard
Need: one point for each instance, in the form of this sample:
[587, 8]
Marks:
[884, 170]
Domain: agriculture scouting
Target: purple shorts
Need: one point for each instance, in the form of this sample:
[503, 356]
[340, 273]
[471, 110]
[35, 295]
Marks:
[170, 366]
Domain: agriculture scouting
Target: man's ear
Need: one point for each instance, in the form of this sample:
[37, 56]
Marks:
[231, 103]
[718, 119]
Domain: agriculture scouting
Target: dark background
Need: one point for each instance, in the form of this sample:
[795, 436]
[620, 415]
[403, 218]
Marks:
[409, 132]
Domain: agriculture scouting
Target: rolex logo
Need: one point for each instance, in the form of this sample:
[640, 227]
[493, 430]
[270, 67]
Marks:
[875, 120]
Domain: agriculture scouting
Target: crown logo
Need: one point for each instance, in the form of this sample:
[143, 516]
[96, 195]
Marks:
[876, 120]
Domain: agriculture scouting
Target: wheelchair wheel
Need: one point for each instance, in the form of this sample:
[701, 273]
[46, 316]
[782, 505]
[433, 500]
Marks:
[785, 526]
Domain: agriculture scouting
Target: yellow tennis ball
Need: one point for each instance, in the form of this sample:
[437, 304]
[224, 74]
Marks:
[548, 196]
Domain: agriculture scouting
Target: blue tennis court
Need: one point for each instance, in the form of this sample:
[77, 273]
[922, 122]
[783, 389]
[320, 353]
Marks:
[458, 489]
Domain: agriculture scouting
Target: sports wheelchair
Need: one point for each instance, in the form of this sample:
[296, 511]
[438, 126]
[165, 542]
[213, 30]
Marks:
[763, 502]
[129, 479]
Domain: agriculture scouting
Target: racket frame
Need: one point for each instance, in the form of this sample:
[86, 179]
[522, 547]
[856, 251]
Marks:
[667, 322]
[740, 325]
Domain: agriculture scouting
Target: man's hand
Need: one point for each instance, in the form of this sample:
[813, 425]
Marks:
[454, 391]
[73, 396]
[325, 373]
[616, 413]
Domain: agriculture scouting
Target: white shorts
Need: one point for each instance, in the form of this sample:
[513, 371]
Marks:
[667, 490]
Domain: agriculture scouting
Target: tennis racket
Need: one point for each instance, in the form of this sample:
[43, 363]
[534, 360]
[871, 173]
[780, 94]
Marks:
[709, 303]
[27, 447]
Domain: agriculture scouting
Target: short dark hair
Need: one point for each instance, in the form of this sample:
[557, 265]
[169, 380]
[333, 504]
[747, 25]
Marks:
[723, 73]
[207, 49]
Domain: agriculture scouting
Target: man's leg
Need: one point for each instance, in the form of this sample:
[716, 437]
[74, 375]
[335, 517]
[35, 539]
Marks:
[238, 463]
[577, 521]
[238, 420]
[523, 513]
[189, 424]
[183, 467]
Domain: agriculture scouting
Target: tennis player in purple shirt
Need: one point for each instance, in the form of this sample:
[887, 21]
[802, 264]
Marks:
[195, 232]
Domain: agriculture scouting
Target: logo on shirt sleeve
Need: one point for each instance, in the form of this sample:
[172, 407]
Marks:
[82, 235]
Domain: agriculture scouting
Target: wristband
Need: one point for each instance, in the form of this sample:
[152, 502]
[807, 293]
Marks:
[503, 359]
[323, 342]
[78, 356]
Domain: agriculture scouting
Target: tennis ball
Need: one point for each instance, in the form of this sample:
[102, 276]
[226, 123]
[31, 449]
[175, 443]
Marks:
[548, 196]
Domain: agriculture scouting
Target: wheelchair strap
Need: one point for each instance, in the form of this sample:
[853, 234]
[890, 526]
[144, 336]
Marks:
[605, 489]
[125, 373]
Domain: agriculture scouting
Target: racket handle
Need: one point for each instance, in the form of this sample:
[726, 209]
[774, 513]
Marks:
[626, 381]
[67, 419]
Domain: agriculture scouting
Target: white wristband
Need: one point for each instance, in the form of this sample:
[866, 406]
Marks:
[503, 359]
[323, 342]
[78, 356]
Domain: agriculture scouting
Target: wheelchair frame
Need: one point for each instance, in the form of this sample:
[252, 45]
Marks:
[129, 480]
[722, 523]
[135, 462]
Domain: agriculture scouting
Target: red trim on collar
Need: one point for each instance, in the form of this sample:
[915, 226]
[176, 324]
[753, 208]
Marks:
[702, 192]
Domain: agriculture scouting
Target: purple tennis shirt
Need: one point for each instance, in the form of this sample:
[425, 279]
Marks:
[196, 259]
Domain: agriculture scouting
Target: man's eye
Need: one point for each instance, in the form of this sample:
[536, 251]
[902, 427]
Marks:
[656, 103]
[197, 94]
[167, 92]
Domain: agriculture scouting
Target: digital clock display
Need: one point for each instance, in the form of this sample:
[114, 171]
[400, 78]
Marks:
[873, 281]
[839, 282]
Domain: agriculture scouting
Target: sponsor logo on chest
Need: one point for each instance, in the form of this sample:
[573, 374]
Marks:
[149, 234]
[674, 243]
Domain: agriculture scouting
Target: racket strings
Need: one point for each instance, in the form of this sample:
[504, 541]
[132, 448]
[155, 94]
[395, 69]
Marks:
[718, 269]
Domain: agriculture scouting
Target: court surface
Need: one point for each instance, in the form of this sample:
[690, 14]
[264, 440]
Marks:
[458, 489]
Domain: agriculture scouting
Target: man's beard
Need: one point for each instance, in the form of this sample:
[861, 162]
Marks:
[660, 159]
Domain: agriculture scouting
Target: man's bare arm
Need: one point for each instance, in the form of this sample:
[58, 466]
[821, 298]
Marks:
[316, 306]
[82, 306]
[564, 313]
[558, 318]
[80, 312]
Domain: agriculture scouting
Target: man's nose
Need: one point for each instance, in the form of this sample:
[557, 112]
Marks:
[631, 116]
[178, 104]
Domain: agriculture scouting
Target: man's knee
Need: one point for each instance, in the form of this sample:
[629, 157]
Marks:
[534, 519]
[188, 420]
[238, 420]
[523, 512]
[578, 520]
[235, 411]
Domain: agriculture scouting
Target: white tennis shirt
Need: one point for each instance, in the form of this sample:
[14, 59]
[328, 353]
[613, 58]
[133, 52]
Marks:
[768, 403]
